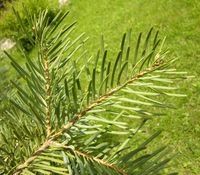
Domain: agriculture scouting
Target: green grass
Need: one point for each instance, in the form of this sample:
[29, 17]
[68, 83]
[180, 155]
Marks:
[179, 21]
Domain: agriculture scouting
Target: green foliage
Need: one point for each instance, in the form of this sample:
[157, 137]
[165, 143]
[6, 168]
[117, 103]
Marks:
[10, 26]
[64, 112]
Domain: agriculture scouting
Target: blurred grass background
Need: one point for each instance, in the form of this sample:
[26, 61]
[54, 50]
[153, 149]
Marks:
[178, 20]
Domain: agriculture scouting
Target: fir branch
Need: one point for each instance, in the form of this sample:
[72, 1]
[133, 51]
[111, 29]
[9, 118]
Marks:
[78, 116]
[103, 98]
[53, 44]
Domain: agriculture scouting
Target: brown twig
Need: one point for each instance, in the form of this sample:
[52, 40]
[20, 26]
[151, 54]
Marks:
[102, 162]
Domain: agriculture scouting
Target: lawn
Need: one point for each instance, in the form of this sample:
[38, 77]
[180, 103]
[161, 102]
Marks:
[179, 22]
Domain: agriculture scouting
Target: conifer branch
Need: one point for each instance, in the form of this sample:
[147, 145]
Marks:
[78, 116]
[103, 98]
[49, 119]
